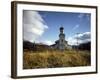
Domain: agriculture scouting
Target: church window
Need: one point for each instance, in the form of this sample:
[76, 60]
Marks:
[61, 40]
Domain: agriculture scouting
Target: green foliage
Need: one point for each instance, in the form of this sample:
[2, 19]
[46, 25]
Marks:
[55, 58]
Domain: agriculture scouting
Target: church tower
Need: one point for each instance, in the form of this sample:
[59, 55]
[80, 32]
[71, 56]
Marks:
[61, 39]
[61, 43]
[61, 35]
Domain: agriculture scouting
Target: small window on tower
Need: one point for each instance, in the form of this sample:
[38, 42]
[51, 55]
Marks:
[62, 41]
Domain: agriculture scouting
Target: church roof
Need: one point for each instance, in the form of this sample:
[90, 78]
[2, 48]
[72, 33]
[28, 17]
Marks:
[57, 41]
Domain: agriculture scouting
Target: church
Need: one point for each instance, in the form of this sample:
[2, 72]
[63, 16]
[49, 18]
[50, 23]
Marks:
[61, 44]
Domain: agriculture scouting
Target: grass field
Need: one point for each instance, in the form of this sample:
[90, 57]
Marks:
[55, 58]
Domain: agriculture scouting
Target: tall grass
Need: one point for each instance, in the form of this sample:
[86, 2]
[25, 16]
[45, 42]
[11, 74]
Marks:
[55, 58]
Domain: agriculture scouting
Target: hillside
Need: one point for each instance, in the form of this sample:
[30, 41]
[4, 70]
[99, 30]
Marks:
[35, 46]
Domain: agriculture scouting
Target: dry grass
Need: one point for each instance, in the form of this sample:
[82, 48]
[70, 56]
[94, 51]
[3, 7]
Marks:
[55, 58]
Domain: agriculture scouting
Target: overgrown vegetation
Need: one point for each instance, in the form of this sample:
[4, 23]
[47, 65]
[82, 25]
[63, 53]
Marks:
[55, 58]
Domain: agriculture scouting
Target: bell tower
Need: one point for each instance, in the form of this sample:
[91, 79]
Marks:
[61, 43]
[61, 39]
[61, 35]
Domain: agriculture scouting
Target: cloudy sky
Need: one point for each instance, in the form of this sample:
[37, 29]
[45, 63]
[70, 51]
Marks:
[43, 26]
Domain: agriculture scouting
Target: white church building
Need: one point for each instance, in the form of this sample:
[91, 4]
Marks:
[61, 44]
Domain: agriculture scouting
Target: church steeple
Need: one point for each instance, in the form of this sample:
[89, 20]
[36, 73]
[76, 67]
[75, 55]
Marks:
[61, 35]
[61, 44]
[61, 29]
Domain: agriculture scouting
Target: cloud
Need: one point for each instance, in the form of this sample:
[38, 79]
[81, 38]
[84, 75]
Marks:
[82, 38]
[81, 15]
[33, 25]
[48, 42]
[72, 41]
[77, 26]
[88, 17]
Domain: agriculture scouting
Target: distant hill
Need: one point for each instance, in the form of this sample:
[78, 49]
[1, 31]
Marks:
[41, 47]
[35, 46]
[83, 46]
